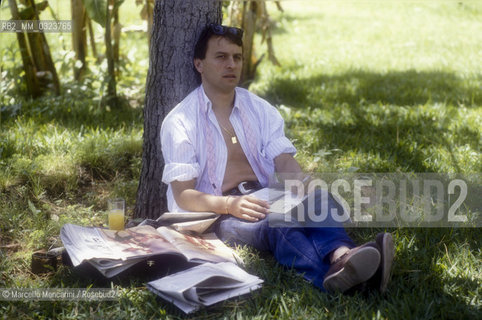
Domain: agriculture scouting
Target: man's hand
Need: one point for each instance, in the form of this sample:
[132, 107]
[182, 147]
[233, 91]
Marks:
[247, 208]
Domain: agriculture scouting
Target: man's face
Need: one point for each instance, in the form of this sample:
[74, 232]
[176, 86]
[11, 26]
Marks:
[221, 68]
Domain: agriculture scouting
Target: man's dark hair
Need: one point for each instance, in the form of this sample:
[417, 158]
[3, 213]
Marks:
[234, 35]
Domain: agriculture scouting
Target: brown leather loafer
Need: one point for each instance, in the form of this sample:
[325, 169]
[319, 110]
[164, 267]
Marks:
[354, 267]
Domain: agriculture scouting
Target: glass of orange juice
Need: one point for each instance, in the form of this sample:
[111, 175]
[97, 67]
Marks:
[116, 213]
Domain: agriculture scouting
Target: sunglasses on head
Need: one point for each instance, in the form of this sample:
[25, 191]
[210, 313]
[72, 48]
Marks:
[222, 30]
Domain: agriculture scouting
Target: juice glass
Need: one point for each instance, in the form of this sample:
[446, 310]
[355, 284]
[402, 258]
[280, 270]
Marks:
[116, 213]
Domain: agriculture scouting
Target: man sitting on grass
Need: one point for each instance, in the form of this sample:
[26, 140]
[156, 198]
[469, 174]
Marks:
[222, 142]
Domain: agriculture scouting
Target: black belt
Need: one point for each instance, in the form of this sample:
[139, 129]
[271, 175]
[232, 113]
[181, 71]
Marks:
[244, 187]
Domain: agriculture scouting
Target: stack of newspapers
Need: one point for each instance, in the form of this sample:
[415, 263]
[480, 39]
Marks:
[216, 276]
[204, 285]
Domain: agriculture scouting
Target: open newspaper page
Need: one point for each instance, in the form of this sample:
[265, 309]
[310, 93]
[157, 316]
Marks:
[204, 285]
[112, 252]
[206, 247]
[173, 217]
[197, 222]
[281, 201]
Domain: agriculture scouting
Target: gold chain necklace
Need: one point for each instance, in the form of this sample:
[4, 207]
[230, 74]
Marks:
[234, 140]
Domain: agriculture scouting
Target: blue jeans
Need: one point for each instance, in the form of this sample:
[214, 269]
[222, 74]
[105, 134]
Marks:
[306, 249]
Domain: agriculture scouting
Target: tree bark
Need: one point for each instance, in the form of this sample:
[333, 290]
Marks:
[92, 39]
[249, 26]
[42, 58]
[176, 27]
[79, 36]
[116, 28]
[109, 52]
[28, 66]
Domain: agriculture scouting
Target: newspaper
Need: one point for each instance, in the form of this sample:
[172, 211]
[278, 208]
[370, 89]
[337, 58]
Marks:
[197, 222]
[281, 201]
[112, 252]
[204, 285]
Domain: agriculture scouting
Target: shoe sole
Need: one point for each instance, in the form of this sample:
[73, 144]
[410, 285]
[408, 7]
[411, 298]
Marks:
[361, 266]
[387, 256]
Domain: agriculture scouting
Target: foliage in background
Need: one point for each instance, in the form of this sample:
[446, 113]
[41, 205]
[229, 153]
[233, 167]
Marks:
[253, 17]
[39, 70]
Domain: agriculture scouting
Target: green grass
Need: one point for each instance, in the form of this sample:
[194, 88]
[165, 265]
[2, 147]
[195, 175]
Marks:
[405, 71]
[366, 86]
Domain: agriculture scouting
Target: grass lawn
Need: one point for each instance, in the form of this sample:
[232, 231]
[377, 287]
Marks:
[364, 86]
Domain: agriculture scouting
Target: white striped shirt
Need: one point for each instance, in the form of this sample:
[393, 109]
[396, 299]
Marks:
[184, 146]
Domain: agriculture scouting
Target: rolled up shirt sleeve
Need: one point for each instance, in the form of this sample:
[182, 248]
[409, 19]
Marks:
[276, 141]
[178, 150]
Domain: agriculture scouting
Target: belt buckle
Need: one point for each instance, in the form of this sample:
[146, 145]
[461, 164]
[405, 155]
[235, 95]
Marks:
[242, 189]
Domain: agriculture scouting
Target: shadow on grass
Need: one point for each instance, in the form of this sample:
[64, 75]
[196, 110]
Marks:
[384, 113]
[403, 88]
[404, 144]
[422, 286]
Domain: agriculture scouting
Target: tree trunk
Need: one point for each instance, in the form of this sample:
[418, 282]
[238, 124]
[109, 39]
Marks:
[28, 66]
[46, 72]
[176, 27]
[39, 68]
[92, 39]
[249, 26]
[79, 36]
[117, 29]
[109, 52]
